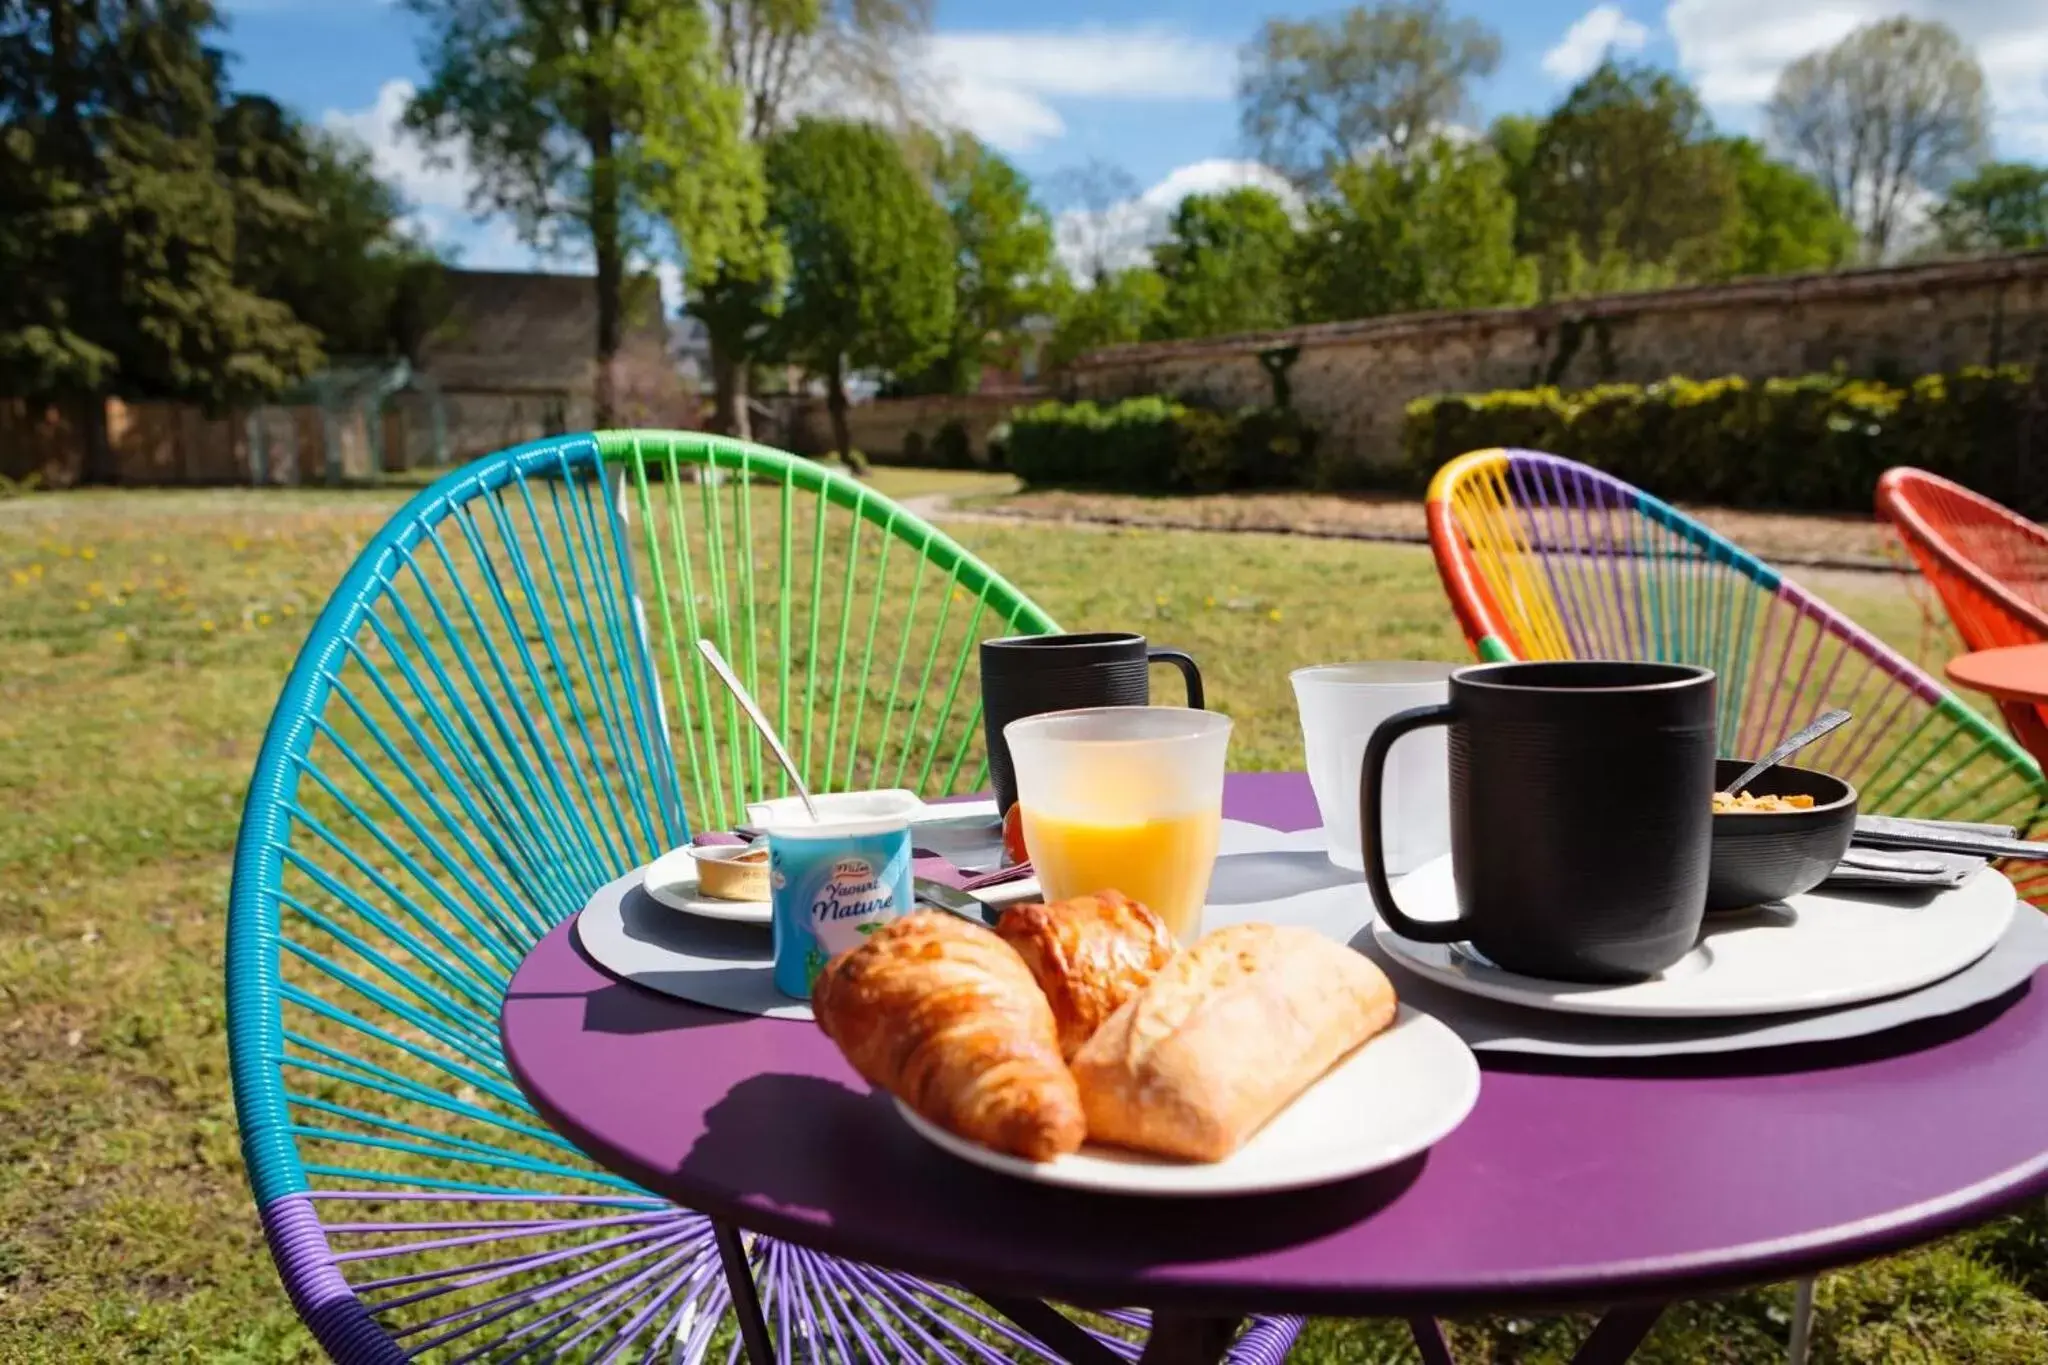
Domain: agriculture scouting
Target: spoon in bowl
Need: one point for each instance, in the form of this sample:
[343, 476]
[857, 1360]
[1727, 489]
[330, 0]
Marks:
[1822, 724]
[761, 723]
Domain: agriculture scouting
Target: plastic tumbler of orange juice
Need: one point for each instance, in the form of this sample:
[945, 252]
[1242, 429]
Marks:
[1124, 798]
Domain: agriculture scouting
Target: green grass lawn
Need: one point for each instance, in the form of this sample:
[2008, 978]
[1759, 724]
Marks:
[143, 638]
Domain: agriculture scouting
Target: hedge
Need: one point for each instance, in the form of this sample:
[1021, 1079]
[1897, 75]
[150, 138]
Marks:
[1157, 445]
[1816, 443]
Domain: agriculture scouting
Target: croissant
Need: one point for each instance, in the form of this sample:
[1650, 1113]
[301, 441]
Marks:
[1090, 954]
[1225, 1037]
[943, 1015]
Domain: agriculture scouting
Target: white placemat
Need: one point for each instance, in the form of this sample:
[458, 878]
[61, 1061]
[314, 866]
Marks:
[731, 966]
[1264, 874]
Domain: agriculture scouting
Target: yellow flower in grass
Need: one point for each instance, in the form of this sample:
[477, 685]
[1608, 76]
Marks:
[84, 605]
[288, 610]
[88, 553]
[206, 627]
[262, 618]
[1208, 601]
[1273, 615]
[120, 637]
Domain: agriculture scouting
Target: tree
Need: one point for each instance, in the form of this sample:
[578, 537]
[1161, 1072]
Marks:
[118, 231]
[2003, 207]
[861, 51]
[552, 98]
[1317, 94]
[1894, 109]
[871, 257]
[695, 167]
[1437, 231]
[1786, 222]
[1097, 200]
[1224, 264]
[1121, 307]
[317, 230]
[1627, 167]
[1003, 264]
[857, 52]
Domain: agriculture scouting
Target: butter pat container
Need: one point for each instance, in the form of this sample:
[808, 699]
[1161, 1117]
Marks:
[835, 881]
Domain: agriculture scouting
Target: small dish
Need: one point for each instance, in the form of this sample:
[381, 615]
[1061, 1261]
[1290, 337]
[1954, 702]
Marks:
[1761, 856]
[732, 872]
[672, 881]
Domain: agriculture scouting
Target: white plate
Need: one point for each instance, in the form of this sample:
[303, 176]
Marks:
[671, 880]
[1814, 951]
[1394, 1097]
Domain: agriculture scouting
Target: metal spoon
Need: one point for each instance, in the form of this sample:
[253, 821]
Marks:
[1827, 721]
[753, 710]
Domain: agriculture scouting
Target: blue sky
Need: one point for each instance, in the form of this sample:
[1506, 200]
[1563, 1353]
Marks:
[1148, 84]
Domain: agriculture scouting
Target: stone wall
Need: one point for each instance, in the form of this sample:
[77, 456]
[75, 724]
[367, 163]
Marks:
[1353, 379]
[900, 430]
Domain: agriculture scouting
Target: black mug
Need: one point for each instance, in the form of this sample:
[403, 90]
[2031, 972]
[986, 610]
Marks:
[1028, 675]
[1581, 815]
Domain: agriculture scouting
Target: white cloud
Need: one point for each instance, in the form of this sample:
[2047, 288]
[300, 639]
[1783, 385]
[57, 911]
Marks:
[437, 195]
[1734, 49]
[401, 158]
[1598, 30]
[1123, 233]
[1000, 85]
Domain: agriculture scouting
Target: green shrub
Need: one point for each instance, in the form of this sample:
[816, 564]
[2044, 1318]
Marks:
[1156, 445]
[1814, 443]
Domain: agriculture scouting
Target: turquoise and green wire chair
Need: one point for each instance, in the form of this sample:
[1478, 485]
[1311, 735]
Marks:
[497, 712]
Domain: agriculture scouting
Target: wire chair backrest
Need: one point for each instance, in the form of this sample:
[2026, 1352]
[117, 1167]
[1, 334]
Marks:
[1988, 564]
[1545, 558]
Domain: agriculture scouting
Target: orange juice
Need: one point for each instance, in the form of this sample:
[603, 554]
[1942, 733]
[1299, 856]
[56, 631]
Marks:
[1163, 861]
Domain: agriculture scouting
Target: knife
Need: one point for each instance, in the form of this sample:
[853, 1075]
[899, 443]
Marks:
[951, 898]
[1878, 831]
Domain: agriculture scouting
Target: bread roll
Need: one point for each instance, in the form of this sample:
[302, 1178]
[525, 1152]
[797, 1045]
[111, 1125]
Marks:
[945, 1016]
[1090, 954]
[1225, 1036]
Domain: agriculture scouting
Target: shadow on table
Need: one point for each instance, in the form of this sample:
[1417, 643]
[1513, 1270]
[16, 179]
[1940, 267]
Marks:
[1248, 878]
[621, 1007]
[844, 1163]
[1777, 1061]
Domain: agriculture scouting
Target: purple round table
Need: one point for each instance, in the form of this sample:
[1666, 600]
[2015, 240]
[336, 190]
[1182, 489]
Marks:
[1631, 1186]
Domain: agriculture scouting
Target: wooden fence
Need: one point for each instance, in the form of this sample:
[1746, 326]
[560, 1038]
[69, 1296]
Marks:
[157, 444]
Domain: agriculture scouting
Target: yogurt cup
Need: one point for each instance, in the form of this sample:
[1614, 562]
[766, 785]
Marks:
[834, 881]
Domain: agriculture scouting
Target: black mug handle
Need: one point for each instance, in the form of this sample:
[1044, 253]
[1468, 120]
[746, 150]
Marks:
[1371, 779]
[1190, 675]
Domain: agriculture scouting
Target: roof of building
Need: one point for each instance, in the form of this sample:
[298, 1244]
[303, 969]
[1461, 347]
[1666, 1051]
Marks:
[511, 331]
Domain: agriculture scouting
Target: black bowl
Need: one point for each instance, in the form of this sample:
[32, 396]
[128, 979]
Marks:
[1761, 857]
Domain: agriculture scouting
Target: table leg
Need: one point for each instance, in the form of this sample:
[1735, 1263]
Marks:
[1614, 1338]
[1188, 1339]
[1430, 1343]
[1617, 1335]
[746, 1302]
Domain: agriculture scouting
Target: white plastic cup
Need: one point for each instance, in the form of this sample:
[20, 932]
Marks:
[1124, 798]
[1341, 705]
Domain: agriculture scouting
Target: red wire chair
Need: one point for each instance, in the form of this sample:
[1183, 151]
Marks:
[1989, 565]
